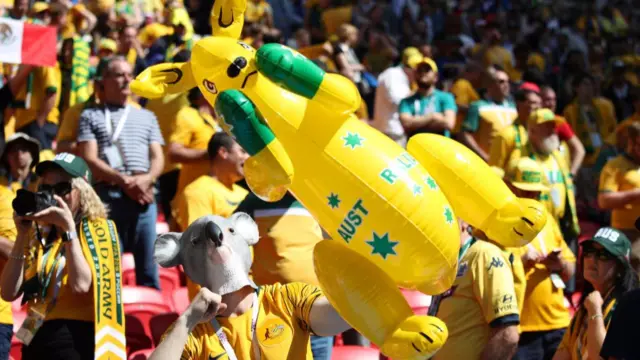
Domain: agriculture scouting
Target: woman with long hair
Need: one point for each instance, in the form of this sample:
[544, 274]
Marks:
[65, 262]
[608, 275]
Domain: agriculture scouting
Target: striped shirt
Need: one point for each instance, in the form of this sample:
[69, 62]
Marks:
[140, 130]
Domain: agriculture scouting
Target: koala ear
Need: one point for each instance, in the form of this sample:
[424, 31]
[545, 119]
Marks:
[245, 227]
[166, 251]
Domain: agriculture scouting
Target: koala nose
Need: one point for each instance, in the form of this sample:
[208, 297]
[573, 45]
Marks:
[214, 233]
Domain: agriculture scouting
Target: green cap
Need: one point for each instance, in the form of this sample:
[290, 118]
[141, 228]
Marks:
[71, 164]
[614, 241]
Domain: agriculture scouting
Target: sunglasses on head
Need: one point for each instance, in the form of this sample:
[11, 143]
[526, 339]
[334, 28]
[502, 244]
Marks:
[600, 254]
[60, 189]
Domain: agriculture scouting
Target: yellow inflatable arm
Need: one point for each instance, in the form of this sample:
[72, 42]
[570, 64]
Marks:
[227, 18]
[476, 192]
[163, 79]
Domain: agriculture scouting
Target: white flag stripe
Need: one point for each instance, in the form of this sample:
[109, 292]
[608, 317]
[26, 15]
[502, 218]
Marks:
[109, 347]
[108, 330]
[282, 212]
[11, 40]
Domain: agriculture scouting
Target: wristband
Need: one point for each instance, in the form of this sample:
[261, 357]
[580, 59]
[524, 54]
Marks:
[593, 317]
[21, 257]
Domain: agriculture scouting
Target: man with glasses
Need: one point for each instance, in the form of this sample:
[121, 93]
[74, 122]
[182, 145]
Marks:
[486, 117]
[123, 146]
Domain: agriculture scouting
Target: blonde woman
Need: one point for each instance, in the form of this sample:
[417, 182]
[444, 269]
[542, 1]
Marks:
[63, 245]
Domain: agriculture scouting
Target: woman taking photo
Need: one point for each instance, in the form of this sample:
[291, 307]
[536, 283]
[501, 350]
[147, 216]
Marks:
[64, 262]
[608, 273]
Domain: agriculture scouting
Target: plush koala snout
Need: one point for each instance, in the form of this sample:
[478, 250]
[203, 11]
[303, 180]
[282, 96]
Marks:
[214, 233]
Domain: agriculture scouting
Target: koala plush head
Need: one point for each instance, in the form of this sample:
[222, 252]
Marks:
[214, 251]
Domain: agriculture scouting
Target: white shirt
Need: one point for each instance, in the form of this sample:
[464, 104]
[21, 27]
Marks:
[393, 86]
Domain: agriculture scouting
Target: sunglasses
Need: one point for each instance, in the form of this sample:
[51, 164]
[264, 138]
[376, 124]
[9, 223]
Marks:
[600, 254]
[60, 189]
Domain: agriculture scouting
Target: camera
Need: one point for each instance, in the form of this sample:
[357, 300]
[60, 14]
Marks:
[27, 202]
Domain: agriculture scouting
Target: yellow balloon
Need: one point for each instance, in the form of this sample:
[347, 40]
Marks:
[392, 213]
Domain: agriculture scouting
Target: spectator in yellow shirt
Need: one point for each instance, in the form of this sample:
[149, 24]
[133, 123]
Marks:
[194, 127]
[592, 118]
[486, 117]
[215, 193]
[8, 234]
[620, 191]
[514, 137]
[490, 51]
[20, 156]
[548, 264]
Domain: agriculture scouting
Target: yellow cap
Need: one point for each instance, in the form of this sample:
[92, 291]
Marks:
[108, 44]
[526, 174]
[428, 61]
[39, 6]
[542, 116]
[411, 57]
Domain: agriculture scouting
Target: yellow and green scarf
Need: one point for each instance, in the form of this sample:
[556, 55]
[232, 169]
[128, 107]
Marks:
[80, 71]
[100, 243]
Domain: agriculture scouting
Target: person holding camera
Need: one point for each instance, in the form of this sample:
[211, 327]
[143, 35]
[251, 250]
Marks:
[64, 262]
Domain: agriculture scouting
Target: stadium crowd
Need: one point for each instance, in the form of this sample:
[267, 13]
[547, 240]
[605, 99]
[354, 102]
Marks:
[547, 93]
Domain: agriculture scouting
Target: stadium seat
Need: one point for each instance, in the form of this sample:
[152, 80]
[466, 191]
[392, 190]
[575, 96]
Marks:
[16, 348]
[354, 353]
[138, 334]
[141, 354]
[159, 324]
[128, 269]
[143, 303]
[169, 281]
[181, 299]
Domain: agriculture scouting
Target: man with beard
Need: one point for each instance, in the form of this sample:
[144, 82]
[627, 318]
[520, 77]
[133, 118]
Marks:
[513, 137]
[428, 110]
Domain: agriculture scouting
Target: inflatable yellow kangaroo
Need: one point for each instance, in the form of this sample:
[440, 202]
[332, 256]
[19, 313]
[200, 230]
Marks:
[392, 213]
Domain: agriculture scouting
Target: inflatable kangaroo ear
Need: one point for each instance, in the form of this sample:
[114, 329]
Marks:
[245, 227]
[167, 248]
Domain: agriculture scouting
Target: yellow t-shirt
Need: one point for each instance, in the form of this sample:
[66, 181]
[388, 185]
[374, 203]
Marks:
[45, 79]
[288, 234]
[575, 338]
[556, 198]
[486, 118]
[465, 94]
[282, 327]
[256, 11]
[206, 196]
[8, 231]
[504, 144]
[621, 174]
[193, 130]
[483, 295]
[166, 110]
[592, 133]
[544, 308]
[14, 186]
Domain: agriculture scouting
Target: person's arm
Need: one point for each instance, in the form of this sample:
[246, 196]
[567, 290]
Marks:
[175, 344]
[325, 320]
[88, 150]
[78, 270]
[6, 246]
[52, 86]
[494, 290]
[156, 157]
[19, 79]
[91, 19]
[502, 344]
[596, 331]
[179, 153]
[13, 271]
[344, 66]
[470, 125]
[609, 196]
[412, 122]
[577, 152]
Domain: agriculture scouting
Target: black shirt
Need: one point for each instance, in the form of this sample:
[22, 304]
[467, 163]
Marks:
[621, 341]
[6, 97]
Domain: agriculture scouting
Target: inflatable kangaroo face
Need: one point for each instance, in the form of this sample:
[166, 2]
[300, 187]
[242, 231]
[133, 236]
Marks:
[214, 251]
